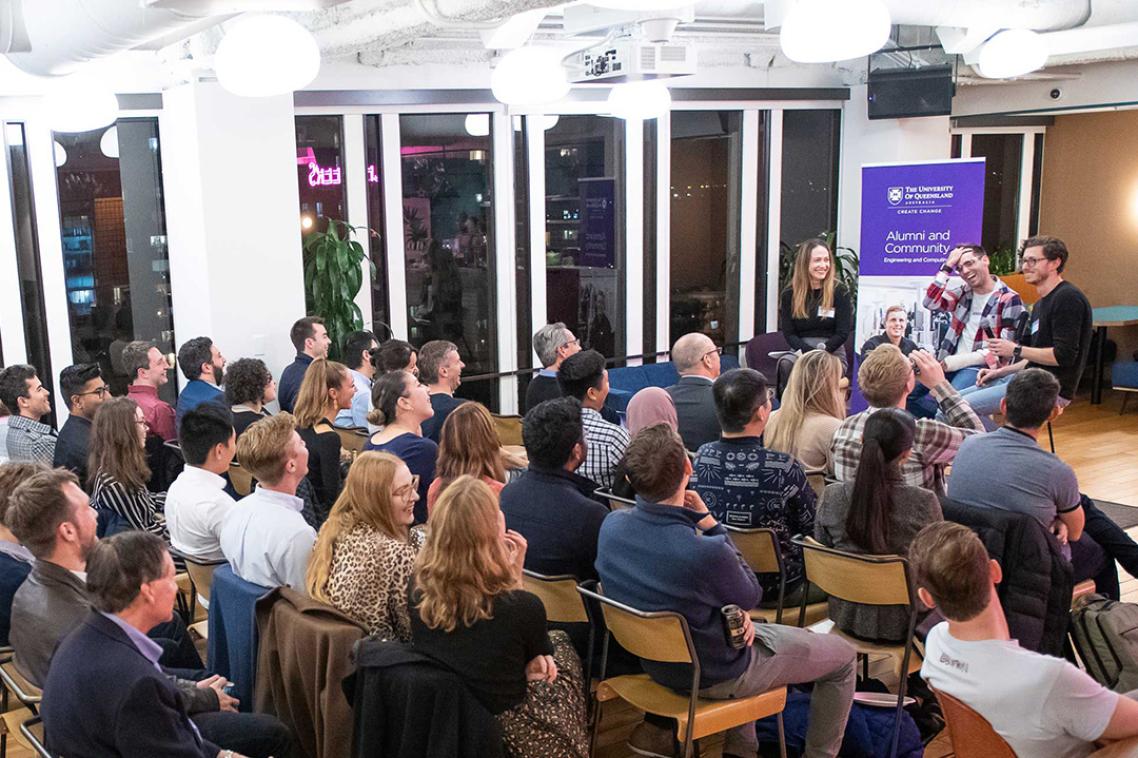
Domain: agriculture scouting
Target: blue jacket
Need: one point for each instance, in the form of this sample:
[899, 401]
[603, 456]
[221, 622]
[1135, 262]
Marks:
[194, 394]
[653, 558]
[232, 647]
[291, 377]
[103, 697]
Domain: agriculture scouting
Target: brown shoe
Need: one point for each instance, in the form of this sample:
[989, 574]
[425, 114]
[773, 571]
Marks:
[652, 741]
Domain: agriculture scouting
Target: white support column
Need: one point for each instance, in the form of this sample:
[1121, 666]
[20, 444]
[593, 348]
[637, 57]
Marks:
[535, 157]
[634, 238]
[663, 233]
[774, 216]
[1026, 177]
[966, 145]
[11, 301]
[505, 255]
[391, 174]
[748, 229]
[355, 177]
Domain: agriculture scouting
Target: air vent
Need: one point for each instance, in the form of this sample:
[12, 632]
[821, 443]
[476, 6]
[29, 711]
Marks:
[673, 54]
[648, 58]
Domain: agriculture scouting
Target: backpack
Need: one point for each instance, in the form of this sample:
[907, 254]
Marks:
[1105, 633]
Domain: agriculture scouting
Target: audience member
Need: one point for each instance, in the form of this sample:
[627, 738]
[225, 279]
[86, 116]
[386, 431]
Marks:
[85, 390]
[468, 446]
[396, 355]
[204, 365]
[1042, 706]
[440, 368]
[197, 503]
[648, 407]
[550, 505]
[1007, 469]
[358, 349]
[400, 406]
[893, 333]
[815, 311]
[4, 417]
[22, 392]
[583, 377]
[326, 390]
[876, 514]
[148, 371]
[470, 613]
[747, 485]
[813, 407]
[264, 537]
[106, 694]
[310, 338]
[1058, 338]
[697, 360]
[118, 471]
[886, 378]
[15, 559]
[670, 554]
[249, 386]
[366, 549]
[553, 343]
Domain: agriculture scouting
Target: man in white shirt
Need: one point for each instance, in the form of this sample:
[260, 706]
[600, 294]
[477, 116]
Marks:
[264, 537]
[196, 502]
[1043, 706]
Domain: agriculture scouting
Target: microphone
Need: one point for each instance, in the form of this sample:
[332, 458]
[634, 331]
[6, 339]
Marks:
[1021, 327]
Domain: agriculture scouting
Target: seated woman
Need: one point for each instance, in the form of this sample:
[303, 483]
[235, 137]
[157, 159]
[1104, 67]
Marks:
[400, 405]
[326, 390]
[648, 407]
[470, 613]
[248, 388]
[366, 549]
[813, 407]
[878, 515]
[814, 311]
[468, 444]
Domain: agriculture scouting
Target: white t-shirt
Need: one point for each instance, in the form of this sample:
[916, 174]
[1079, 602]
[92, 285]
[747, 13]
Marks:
[196, 504]
[1044, 707]
[968, 336]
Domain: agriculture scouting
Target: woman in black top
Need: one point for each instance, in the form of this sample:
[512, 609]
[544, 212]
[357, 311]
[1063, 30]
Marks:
[814, 311]
[469, 612]
[326, 390]
[248, 387]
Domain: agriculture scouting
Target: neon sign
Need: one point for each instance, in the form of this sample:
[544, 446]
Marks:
[333, 176]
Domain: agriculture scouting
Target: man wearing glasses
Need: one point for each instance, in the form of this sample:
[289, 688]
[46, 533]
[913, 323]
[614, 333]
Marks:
[85, 390]
[697, 360]
[22, 392]
[1058, 338]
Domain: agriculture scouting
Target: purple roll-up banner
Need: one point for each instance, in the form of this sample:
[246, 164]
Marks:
[912, 216]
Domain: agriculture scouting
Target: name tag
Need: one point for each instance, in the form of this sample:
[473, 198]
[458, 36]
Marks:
[825, 312]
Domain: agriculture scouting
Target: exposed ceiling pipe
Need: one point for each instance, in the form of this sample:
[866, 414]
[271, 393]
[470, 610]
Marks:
[1040, 15]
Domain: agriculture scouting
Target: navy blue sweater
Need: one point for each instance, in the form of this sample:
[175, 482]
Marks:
[653, 558]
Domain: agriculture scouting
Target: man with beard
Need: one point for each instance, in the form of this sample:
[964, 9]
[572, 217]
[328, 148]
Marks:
[203, 364]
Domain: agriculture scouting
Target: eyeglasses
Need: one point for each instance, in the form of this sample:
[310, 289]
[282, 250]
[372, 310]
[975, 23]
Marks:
[409, 491]
[1032, 261]
[716, 350]
[100, 391]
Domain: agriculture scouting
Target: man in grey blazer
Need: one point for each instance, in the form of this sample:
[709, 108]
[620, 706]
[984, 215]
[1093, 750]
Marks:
[697, 360]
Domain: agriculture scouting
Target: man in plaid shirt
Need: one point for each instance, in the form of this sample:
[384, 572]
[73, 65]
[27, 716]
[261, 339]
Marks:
[886, 378]
[28, 400]
[583, 376]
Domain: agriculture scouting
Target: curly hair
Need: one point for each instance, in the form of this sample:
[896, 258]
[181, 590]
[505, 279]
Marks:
[246, 380]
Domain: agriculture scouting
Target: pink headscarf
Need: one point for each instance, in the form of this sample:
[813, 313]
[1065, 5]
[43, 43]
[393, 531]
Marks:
[649, 406]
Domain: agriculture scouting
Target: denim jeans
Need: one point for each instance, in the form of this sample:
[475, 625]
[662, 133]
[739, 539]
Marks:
[923, 405]
[986, 400]
[257, 735]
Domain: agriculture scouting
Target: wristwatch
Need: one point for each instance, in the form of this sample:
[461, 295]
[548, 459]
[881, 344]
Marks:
[1017, 352]
[946, 268]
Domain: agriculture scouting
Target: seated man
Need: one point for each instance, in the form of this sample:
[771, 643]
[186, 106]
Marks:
[583, 376]
[746, 485]
[148, 371]
[669, 553]
[310, 338]
[1042, 706]
[893, 333]
[196, 503]
[886, 378]
[1008, 469]
[440, 368]
[264, 537]
[15, 559]
[28, 401]
[358, 349]
[697, 361]
[549, 505]
[553, 343]
[204, 365]
[105, 693]
[85, 390]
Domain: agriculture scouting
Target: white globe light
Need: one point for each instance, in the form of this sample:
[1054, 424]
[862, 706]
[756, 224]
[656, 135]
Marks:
[530, 76]
[640, 5]
[823, 31]
[1012, 52]
[263, 55]
[60, 154]
[478, 124]
[643, 100]
[109, 142]
[80, 107]
[547, 122]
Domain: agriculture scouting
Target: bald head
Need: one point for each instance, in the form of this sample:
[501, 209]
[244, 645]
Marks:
[695, 355]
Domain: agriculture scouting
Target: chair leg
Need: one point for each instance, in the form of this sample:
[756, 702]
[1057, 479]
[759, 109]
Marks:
[781, 737]
[1125, 397]
[1051, 436]
[597, 708]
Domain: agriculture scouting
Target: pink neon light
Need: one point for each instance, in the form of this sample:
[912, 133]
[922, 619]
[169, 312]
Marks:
[331, 177]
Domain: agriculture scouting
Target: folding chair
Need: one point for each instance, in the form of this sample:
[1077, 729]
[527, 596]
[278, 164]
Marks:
[352, 438]
[971, 734]
[762, 553]
[616, 502]
[241, 478]
[32, 729]
[563, 605]
[868, 580]
[664, 636]
[817, 479]
[201, 577]
[509, 429]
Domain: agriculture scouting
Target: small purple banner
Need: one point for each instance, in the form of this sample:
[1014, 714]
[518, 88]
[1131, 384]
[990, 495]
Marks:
[598, 223]
[912, 215]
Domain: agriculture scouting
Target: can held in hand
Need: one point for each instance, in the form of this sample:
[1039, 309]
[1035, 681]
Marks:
[733, 624]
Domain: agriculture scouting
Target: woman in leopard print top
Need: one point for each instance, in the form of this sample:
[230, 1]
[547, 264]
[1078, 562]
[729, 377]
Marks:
[366, 550]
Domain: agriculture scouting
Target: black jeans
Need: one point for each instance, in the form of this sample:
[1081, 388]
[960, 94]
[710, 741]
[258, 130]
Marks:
[256, 735]
[1090, 561]
[178, 649]
[1116, 542]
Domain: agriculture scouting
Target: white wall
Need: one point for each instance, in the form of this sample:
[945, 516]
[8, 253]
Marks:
[232, 208]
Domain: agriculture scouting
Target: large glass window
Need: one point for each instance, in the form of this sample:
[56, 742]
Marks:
[1003, 154]
[706, 161]
[381, 323]
[584, 230]
[810, 145]
[115, 261]
[320, 171]
[448, 246]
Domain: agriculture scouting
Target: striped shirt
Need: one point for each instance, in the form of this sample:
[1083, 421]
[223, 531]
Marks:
[139, 507]
[605, 444]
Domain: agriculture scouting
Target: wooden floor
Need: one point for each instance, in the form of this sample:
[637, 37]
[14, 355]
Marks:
[1096, 441]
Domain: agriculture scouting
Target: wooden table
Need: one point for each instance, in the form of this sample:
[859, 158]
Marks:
[1111, 315]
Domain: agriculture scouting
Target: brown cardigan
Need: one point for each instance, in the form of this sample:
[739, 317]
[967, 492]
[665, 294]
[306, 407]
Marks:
[305, 653]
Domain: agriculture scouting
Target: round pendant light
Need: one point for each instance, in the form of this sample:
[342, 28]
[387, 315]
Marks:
[263, 55]
[641, 100]
[824, 31]
[1012, 52]
[78, 106]
[530, 76]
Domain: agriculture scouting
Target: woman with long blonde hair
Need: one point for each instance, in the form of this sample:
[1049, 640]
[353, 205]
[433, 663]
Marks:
[813, 407]
[470, 613]
[327, 389]
[468, 444]
[366, 550]
[815, 311]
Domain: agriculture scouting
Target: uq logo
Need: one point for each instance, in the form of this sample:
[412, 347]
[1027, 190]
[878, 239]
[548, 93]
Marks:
[895, 195]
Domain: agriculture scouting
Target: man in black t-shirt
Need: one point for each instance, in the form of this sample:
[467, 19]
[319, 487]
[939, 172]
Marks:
[1058, 338]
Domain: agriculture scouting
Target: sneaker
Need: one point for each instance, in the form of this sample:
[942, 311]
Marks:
[652, 741]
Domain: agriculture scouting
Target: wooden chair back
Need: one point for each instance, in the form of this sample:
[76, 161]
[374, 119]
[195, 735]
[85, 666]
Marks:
[509, 429]
[616, 502]
[865, 579]
[241, 478]
[817, 479]
[759, 548]
[971, 734]
[352, 439]
[563, 604]
[661, 636]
